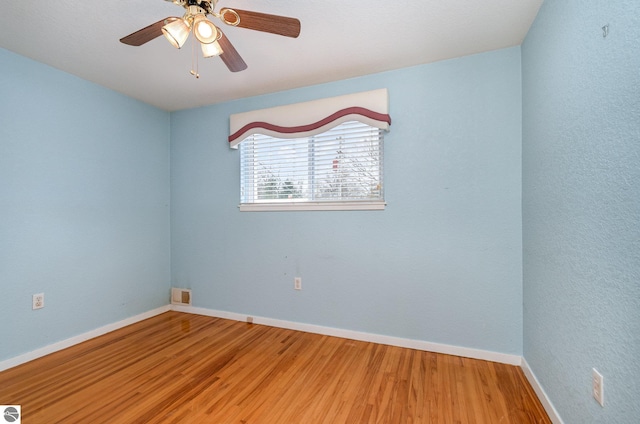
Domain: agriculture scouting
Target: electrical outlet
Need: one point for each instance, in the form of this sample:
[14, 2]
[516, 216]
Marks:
[297, 283]
[598, 386]
[37, 301]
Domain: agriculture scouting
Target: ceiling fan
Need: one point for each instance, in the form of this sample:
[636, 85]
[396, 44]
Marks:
[212, 40]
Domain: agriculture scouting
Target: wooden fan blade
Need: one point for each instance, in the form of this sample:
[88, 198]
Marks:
[230, 55]
[281, 25]
[145, 34]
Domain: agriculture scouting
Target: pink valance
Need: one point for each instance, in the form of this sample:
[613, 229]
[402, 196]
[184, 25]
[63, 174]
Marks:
[312, 118]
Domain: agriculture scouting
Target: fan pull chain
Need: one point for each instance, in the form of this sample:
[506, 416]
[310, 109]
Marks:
[194, 56]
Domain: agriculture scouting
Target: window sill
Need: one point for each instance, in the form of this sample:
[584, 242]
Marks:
[313, 206]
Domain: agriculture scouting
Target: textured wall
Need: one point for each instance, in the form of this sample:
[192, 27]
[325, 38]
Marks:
[581, 206]
[84, 205]
[442, 263]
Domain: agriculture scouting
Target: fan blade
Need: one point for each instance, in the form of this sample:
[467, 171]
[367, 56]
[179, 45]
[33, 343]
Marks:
[145, 34]
[281, 25]
[230, 55]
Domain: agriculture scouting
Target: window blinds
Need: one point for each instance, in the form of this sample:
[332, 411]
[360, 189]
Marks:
[341, 164]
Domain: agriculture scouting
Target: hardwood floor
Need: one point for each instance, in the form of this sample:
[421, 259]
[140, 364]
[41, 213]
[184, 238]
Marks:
[181, 368]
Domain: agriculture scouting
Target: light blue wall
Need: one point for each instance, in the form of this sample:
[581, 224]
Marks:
[442, 263]
[581, 206]
[84, 205]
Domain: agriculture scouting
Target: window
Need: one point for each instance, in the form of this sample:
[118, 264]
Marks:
[339, 169]
[323, 154]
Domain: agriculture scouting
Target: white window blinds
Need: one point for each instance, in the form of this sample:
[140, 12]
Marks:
[341, 165]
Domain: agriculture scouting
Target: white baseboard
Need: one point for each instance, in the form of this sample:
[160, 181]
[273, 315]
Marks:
[38, 353]
[542, 395]
[309, 328]
[360, 336]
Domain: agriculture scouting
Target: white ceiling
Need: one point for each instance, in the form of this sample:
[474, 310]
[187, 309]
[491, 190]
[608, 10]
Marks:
[339, 39]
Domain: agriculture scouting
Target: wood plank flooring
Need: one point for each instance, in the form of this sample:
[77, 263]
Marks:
[182, 368]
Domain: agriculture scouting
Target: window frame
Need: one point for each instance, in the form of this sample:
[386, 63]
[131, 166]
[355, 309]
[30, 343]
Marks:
[311, 204]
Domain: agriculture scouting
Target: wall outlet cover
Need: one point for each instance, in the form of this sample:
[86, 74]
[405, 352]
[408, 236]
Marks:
[37, 302]
[598, 386]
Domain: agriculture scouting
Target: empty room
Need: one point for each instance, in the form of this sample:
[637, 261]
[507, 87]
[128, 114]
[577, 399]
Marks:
[320, 212]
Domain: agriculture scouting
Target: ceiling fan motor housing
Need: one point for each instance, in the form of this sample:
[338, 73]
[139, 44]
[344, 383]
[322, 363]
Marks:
[205, 5]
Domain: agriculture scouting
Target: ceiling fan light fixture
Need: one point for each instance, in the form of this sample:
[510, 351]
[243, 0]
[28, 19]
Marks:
[177, 32]
[204, 30]
[211, 49]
